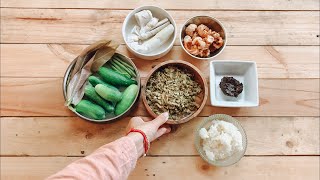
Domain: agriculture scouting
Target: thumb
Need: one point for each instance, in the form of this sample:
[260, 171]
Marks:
[162, 131]
[161, 119]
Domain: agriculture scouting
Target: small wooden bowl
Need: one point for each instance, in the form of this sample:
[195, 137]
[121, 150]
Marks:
[202, 97]
[213, 24]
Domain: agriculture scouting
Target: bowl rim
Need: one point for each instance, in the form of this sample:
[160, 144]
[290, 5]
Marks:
[156, 68]
[126, 20]
[217, 21]
[213, 99]
[211, 118]
[64, 89]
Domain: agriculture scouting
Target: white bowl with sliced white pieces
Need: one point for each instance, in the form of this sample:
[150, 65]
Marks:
[149, 32]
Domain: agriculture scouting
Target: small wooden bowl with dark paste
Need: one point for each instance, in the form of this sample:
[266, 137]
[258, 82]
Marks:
[175, 86]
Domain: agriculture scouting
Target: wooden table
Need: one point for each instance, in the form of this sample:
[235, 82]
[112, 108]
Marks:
[39, 135]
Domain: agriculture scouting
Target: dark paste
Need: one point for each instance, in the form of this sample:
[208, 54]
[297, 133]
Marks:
[230, 86]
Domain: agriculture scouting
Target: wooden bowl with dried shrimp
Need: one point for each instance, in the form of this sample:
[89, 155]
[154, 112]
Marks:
[177, 87]
[203, 37]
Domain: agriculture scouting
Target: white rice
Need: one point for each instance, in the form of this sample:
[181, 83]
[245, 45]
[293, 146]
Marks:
[221, 141]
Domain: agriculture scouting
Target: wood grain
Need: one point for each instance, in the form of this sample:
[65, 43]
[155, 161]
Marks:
[51, 60]
[278, 97]
[167, 4]
[266, 136]
[34, 96]
[39, 39]
[276, 168]
[83, 26]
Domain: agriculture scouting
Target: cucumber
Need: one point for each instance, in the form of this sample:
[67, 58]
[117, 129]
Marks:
[90, 110]
[108, 94]
[94, 80]
[91, 93]
[128, 97]
[115, 78]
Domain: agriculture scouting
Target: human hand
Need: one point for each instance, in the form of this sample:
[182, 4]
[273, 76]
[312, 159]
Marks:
[153, 129]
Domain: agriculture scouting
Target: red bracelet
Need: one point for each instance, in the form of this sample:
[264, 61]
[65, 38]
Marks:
[146, 143]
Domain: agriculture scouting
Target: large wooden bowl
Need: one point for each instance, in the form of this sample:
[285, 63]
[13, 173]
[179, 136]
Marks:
[201, 99]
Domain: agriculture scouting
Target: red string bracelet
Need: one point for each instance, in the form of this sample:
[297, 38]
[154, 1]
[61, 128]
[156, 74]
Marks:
[146, 143]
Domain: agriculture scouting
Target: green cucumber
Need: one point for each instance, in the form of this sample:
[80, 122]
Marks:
[90, 110]
[115, 78]
[108, 94]
[128, 97]
[95, 80]
[91, 93]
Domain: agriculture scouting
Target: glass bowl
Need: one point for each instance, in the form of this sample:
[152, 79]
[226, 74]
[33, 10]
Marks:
[227, 161]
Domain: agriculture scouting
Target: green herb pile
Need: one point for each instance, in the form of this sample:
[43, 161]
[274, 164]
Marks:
[174, 90]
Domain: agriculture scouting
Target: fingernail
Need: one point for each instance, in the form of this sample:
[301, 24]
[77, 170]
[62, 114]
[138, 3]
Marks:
[166, 115]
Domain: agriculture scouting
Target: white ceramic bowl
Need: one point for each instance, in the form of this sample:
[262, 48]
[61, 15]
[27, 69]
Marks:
[130, 22]
[213, 24]
[243, 71]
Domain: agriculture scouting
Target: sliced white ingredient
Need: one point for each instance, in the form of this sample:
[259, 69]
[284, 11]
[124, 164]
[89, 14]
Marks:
[155, 42]
[162, 22]
[136, 30]
[150, 25]
[221, 141]
[143, 17]
[132, 38]
[148, 34]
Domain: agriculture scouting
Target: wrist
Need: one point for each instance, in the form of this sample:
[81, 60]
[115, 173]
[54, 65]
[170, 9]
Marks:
[137, 138]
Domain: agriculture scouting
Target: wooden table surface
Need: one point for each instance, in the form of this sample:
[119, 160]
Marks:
[39, 39]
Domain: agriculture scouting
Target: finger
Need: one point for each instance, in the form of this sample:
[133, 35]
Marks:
[168, 130]
[161, 119]
[165, 126]
[162, 131]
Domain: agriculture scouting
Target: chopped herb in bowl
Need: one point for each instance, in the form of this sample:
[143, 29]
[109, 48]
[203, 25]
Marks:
[175, 90]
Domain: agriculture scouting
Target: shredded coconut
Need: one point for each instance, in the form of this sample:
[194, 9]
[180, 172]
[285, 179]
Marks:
[222, 140]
